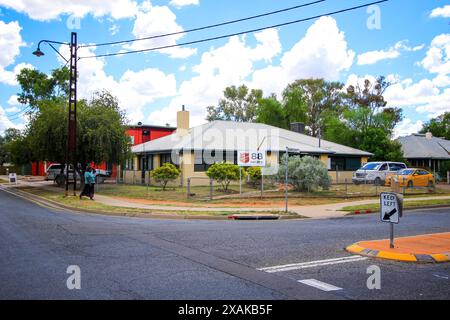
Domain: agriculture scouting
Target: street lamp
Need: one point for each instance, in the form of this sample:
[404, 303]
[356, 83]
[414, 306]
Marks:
[72, 120]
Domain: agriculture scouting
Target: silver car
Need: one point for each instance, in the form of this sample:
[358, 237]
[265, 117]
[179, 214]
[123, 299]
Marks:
[376, 172]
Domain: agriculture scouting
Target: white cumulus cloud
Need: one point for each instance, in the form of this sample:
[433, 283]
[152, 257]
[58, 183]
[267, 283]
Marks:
[183, 3]
[134, 89]
[372, 57]
[10, 44]
[48, 10]
[407, 127]
[156, 20]
[443, 12]
[437, 59]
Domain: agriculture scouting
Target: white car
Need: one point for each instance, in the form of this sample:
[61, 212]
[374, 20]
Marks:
[54, 171]
[376, 172]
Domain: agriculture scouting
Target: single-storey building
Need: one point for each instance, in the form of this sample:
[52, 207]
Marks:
[193, 150]
[425, 151]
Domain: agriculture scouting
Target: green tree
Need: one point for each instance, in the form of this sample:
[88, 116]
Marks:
[304, 173]
[18, 148]
[38, 87]
[309, 99]
[6, 140]
[366, 123]
[238, 104]
[439, 126]
[271, 112]
[224, 173]
[164, 174]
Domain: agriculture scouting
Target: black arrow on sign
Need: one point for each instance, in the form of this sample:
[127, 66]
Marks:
[388, 215]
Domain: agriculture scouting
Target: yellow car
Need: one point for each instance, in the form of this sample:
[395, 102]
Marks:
[412, 177]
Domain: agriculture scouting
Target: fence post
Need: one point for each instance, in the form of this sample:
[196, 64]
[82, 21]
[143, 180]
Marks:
[346, 190]
[337, 174]
[188, 187]
[262, 186]
[210, 188]
[448, 177]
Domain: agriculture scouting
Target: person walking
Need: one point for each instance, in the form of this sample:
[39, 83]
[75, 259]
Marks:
[92, 187]
[88, 179]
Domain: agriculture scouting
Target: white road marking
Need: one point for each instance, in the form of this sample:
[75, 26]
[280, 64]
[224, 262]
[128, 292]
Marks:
[319, 285]
[312, 264]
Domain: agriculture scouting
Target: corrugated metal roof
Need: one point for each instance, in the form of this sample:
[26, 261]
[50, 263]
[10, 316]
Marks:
[230, 135]
[417, 146]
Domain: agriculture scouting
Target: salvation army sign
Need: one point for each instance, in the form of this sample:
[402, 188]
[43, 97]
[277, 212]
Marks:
[251, 158]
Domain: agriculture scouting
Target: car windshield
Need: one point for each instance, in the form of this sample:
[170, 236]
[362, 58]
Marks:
[405, 172]
[371, 166]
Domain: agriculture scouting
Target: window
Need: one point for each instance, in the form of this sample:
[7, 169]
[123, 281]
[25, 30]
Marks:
[205, 158]
[396, 166]
[167, 158]
[345, 163]
[384, 167]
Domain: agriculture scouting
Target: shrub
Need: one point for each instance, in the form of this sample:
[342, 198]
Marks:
[254, 174]
[305, 174]
[167, 172]
[224, 173]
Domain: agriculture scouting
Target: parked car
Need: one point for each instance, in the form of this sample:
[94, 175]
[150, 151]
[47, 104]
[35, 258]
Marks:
[376, 172]
[54, 173]
[413, 177]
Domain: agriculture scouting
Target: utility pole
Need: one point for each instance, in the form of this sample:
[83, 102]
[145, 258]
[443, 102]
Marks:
[72, 121]
[71, 158]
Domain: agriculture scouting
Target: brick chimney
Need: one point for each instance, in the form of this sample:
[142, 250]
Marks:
[182, 122]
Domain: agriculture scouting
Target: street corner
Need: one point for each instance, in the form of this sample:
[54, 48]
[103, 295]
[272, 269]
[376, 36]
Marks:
[427, 248]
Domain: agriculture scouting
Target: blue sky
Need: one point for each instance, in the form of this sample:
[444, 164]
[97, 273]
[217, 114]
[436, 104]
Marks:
[407, 41]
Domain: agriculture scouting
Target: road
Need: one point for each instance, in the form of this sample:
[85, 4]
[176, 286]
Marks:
[132, 258]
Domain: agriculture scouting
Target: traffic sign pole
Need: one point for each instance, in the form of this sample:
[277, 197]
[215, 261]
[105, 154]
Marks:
[391, 243]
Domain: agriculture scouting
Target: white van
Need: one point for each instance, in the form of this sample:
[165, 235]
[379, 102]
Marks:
[376, 172]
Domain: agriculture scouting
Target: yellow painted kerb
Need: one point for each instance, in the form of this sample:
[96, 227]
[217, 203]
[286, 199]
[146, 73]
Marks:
[440, 257]
[355, 248]
[396, 256]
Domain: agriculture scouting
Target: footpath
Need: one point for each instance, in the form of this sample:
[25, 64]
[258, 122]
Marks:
[422, 248]
[322, 211]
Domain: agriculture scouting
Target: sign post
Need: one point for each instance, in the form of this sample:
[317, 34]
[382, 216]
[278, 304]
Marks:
[250, 159]
[391, 209]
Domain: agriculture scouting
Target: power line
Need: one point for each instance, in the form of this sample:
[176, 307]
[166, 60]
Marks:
[235, 34]
[205, 27]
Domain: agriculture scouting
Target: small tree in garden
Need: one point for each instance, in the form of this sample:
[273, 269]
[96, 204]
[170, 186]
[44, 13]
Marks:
[254, 174]
[167, 172]
[305, 174]
[224, 173]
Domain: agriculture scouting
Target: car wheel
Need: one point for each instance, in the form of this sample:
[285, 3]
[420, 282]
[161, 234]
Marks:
[377, 181]
[60, 180]
[410, 184]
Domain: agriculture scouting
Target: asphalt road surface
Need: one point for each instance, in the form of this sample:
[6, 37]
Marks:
[132, 258]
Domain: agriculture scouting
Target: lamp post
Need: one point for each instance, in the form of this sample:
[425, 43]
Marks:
[72, 119]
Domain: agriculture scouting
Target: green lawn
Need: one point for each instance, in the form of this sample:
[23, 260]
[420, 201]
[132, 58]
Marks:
[94, 206]
[406, 204]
